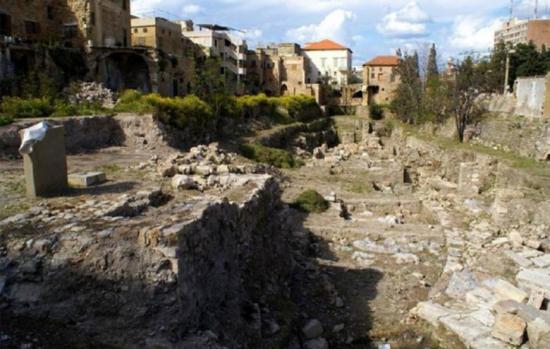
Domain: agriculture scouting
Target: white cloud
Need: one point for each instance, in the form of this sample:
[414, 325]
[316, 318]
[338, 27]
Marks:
[191, 9]
[410, 21]
[335, 26]
[473, 33]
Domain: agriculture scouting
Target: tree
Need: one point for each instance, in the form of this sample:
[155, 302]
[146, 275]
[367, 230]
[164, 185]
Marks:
[408, 95]
[465, 94]
[432, 71]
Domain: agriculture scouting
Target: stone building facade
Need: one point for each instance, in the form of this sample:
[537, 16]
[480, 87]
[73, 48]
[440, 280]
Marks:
[73, 23]
[380, 79]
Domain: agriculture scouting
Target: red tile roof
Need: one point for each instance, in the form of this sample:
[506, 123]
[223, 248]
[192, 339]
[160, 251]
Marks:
[324, 45]
[384, 61]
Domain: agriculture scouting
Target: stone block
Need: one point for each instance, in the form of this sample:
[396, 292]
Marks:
[313, 329]
[506, 290]
[46, 167]
[542, 261]
[85, 180]
[539, 334]
[509, 328]
[533, 279]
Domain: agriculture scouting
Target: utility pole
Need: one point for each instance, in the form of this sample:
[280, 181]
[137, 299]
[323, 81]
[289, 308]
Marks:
[511, 9]
[536, 9]
[507, 71]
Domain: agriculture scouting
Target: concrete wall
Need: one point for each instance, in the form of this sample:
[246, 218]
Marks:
[530, 95]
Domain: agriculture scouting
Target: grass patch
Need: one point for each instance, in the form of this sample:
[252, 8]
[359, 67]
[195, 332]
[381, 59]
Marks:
[276, 157]
[311, 201]
[21, 108]
[5, 120]
[512, 159]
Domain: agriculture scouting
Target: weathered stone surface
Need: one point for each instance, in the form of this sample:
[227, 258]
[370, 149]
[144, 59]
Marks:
[312, 329]
[183, 182]
[509, 328]
[506, 290]
[460, 283]
[542, 261]
[533, 279]
[538, 332]
[318, 343]
[84, 180]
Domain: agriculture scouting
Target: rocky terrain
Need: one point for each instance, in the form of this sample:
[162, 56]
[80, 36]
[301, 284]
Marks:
[424, 245]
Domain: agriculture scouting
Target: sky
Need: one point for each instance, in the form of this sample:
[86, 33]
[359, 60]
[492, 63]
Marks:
[368, 27]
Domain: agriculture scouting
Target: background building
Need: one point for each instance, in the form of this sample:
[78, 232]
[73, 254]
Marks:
[330, 60]
[516, 31]
[381, 79]
[74, 23]
[217, 41]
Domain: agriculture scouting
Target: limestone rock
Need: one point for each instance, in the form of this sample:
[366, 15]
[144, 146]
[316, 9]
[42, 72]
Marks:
[313, 329]
[183, 182]
[506, 290]
[538, 332]
[318, 343]
[509, 328]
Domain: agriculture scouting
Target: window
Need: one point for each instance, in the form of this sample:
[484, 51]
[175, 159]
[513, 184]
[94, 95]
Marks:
[32, 28]
[69, 31]
[136, 30]
[93, 18]
[323, 62]
[145, 30]
[124, 4]
[50, 12]
[335, 62]
[5, 24]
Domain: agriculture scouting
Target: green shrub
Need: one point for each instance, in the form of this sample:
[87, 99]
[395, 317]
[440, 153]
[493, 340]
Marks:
[300, 107]
[5, 120]
[189, 111]
[62, 108]
[132, 101]
[376, 111]
[272, 156]
[311, 201]
[17, 107]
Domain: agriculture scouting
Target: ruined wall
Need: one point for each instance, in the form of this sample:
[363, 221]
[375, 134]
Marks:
[230, 260]
[530, 95]
[83, 134]
[169, 270]
[527, 137]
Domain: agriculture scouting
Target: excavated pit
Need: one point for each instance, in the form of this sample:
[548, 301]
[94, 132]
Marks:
[411, 252]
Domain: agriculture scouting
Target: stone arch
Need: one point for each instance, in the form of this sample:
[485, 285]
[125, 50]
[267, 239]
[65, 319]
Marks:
[284, 90]
[357, 94]
[125, 70]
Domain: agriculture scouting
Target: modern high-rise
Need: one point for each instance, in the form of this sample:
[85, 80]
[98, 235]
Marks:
[515, 31]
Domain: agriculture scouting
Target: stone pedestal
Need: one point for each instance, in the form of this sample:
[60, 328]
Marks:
[46, 166]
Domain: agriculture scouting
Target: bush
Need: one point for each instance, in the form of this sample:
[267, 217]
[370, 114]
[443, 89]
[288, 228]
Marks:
[301, 107]
[132, 101]
[272, 156]
[311, 201]
[189, 111]
[5, 120]
[63, 108]
[16, 107]
[376, 111]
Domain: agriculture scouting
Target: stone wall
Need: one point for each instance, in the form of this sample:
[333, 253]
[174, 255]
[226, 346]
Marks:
[84, 134]
[171, 269]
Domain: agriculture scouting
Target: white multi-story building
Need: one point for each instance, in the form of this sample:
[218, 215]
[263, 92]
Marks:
[218, 42]
[328, 60]
[515, 31]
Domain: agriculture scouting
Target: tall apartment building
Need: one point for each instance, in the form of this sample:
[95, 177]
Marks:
[74, 23]
[516, 31]
[217, 41]
[328, 59]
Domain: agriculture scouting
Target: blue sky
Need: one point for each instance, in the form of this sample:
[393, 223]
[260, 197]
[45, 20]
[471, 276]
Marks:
[368, 27]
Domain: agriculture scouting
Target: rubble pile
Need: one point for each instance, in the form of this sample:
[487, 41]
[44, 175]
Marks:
[90, 92]
[206, 167]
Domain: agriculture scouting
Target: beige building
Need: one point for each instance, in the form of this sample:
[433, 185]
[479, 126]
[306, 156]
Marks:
[157, 33]
[516, 31]
[380, 79]
[74, 23]
[176, 55]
